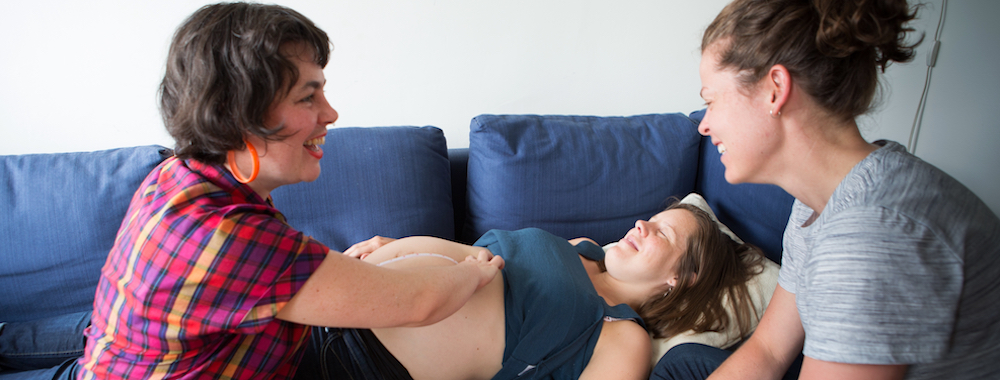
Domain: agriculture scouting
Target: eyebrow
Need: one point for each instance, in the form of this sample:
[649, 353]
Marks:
[314, 84]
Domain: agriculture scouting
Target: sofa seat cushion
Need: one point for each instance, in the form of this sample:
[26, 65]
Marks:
[60, 214]
[387, 181]
[576, 175]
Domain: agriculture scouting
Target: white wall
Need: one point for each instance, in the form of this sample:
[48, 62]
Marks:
[77, 76]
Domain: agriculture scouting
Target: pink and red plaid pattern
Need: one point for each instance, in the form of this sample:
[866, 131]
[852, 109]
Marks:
[199, 269]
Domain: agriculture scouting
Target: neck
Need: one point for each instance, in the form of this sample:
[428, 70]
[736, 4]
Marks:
[261, 190]
[820, 157]
[616, 292]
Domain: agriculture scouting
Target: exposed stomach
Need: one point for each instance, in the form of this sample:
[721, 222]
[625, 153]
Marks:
[467, 345]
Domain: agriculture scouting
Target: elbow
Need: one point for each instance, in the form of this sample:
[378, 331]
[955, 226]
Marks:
[430, 307]
[426, 309]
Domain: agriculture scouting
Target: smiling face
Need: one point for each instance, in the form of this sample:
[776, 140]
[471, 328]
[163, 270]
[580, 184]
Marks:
[304, 113]
[738, 121]
[649, 252]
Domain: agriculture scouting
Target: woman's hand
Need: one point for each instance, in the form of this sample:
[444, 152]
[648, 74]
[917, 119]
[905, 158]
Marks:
[488, 265]
[365, 248]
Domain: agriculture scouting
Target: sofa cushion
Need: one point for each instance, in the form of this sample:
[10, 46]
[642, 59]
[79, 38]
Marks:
[576, 175]
[757, 213]
[60, 215]
[388, 181]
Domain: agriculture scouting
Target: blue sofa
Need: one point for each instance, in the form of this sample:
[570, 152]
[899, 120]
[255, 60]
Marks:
[571, 175]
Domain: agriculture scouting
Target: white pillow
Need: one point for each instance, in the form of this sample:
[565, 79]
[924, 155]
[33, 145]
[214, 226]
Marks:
[761, 287]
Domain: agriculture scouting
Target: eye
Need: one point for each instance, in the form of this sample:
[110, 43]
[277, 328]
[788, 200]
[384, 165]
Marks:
[308, 99]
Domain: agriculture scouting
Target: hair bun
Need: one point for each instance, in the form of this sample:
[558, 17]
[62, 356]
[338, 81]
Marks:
[876, 27]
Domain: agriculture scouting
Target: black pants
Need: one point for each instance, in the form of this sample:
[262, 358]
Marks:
[354, 354]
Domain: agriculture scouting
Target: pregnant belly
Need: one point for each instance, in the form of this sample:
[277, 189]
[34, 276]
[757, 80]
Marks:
[467, 345]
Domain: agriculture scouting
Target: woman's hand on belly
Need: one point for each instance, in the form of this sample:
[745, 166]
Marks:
[363, 249]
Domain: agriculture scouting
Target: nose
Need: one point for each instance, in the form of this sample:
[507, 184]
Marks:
[334, 115]
[328, 115]
[642, 226]
[703, 126]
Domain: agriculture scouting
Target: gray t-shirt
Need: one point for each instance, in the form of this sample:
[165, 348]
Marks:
[902, 267]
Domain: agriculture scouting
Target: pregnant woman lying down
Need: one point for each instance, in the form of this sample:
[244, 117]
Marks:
[561, 309]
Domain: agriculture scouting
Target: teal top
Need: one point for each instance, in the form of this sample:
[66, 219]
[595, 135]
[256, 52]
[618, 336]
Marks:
[553, 313]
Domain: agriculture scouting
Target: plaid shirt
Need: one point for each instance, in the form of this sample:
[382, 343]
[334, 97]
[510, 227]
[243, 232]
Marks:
[199, 269]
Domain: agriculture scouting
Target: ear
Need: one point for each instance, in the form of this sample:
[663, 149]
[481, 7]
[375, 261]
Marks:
[672, 282]
[778, 86]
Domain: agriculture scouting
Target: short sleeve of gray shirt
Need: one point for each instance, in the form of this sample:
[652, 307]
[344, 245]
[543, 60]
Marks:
[876, 287]
[901, 267]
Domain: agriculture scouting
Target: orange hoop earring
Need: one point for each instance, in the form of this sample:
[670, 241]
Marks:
[231, 160]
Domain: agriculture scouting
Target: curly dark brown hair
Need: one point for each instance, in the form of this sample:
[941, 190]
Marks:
[225, 68]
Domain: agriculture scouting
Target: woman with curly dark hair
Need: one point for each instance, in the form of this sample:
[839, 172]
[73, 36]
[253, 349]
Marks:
[205, 278]
[890, 268]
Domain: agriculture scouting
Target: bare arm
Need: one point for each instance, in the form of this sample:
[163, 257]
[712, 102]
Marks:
[769, 352]
[813, 369]
[622, 352]
[779, 339]
[346, 292]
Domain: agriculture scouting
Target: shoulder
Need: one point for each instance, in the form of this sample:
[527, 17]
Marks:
[896, 181]
[624, 334]
[893, 197]
[623, 350]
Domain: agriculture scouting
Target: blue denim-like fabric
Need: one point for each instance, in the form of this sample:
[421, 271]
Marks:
[691, 361]
[42, 349]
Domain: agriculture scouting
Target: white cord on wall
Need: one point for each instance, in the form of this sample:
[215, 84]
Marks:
[931, 61]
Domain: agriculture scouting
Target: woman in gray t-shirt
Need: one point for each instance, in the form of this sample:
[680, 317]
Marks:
[891, 268]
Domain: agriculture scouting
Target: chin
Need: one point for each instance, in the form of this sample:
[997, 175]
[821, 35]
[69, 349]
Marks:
[312, 175]
[733, 178]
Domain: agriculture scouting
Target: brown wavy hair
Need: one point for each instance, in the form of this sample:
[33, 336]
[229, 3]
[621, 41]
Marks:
[224, 70]
[713, 268]
[832, 48]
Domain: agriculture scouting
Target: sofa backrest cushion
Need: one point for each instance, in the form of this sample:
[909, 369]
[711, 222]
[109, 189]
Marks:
[756, 213]
[576, 175]
[59, 214]
[388, 181]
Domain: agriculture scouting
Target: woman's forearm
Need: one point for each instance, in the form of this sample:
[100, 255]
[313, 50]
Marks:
[769, 352]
